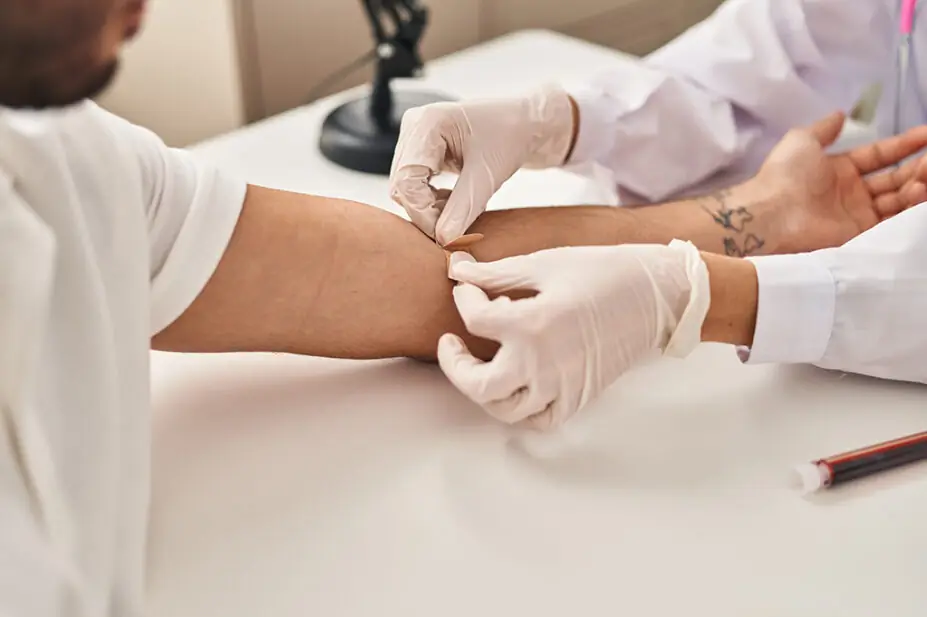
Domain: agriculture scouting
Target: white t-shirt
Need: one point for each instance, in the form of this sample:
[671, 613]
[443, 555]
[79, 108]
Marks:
[106, 237]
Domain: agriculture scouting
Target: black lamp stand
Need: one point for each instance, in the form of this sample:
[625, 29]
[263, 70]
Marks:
[361, 134]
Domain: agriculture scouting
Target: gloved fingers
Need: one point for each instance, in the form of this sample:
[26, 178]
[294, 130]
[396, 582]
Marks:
[554, 415]
[410, 188]
[505, 410]
[481, 382]
[542, 420]
[524, 406]
[421, 152]
[527, 408]
[490, 319]
[475, 186]
[441, 197]
[422, 142]
[456, 258]
[495, 276]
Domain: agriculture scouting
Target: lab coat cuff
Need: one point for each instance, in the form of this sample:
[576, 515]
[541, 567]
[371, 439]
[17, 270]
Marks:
[795, 310]
[598, 118]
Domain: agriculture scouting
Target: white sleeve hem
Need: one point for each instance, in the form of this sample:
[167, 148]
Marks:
[199, 247]
[795, 310]
[597, 121]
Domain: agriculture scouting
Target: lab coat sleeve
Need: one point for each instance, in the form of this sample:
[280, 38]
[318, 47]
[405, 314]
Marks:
[860, 308]
[192, 210]
[729, 88]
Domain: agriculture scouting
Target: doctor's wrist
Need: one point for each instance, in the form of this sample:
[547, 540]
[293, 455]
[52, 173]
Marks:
[574, 109]
[734, 288]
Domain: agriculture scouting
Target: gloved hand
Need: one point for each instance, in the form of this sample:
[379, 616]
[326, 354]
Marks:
[485, 142]
[598, 312]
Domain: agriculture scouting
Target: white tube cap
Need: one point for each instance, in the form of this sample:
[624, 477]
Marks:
[809, 477]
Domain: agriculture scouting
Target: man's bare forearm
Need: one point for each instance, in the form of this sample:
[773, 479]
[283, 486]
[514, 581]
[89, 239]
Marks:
[725, 226]
[334, 278]
[737, 222]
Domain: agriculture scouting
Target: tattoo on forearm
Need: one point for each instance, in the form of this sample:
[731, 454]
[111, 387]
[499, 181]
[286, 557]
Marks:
[735, 220]
[739, 242]
[751, 245]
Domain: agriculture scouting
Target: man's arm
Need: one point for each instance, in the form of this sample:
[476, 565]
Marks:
[328, 277]
[324, 277]
[801, 200]
[738, 222]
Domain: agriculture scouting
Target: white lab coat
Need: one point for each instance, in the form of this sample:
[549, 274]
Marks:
[722, 94]
[106, 236]
[718, 98]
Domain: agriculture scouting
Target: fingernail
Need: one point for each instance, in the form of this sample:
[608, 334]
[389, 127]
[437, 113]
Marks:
[451, 341]
[447, 232]
[458, 260]
[461, 257]
[441, 237]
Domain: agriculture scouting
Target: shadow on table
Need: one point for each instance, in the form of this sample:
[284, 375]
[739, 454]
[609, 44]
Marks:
[269, 460]
[245, 434]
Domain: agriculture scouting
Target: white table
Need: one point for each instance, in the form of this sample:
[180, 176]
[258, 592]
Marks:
[291, 486]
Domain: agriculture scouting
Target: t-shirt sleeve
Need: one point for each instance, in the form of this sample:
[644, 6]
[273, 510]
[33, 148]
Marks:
[192, 210]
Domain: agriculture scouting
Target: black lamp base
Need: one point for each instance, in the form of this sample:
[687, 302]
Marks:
[350, 137]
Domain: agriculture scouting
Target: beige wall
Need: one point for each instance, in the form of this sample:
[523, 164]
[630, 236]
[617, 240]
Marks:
[180, 78]
[204, 67]
[633, 26]
[298, 43]
[294, 44]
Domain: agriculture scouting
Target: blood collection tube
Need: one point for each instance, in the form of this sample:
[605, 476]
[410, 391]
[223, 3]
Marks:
[856, 464]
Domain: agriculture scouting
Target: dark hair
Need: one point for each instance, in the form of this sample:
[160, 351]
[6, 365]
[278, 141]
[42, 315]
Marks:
[49, 51]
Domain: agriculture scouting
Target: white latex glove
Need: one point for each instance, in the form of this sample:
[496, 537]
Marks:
[598, 312]
[485, 141]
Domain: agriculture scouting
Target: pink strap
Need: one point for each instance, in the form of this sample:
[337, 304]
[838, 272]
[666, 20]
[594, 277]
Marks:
[907, 16]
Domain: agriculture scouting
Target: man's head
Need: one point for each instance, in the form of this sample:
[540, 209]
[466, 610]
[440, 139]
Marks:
[57, 52]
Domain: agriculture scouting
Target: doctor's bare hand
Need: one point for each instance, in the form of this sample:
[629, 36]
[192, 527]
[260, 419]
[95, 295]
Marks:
[825, 200]
[485, 141]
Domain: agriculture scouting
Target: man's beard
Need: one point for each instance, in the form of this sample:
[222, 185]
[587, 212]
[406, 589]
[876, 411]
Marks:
[48, 94]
